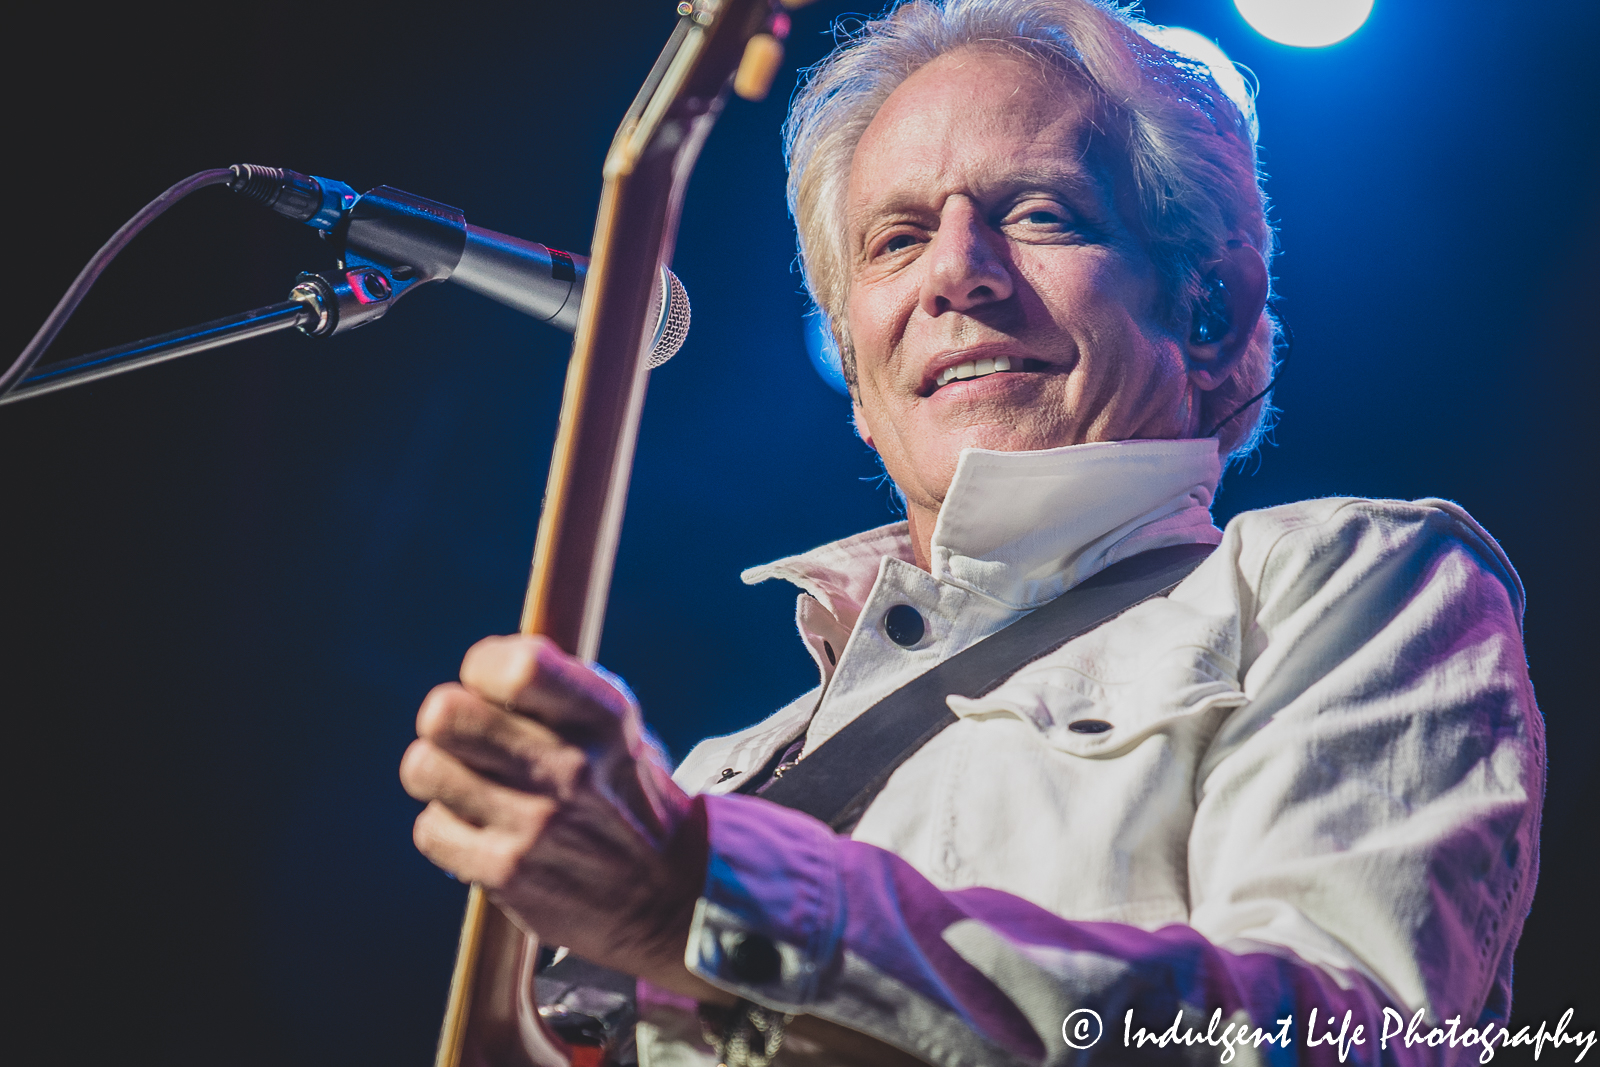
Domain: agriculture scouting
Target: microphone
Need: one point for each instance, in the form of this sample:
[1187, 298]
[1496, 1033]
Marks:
[421, 240]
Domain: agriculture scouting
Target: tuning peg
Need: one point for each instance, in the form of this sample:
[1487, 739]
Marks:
[763, 55]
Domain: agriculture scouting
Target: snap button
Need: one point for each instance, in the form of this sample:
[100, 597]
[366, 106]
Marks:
[755, 959]
[727, 772]
[1089, 726]
[903, 625]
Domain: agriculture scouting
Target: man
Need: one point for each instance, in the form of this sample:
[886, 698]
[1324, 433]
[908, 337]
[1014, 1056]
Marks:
[1306, 779]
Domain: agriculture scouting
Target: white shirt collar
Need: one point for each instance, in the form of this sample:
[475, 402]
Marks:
[1021, 528]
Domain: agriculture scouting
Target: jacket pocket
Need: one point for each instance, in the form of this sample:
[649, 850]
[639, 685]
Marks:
[1099, 707]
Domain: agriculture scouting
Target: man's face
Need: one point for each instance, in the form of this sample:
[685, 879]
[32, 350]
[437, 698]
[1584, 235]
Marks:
[982, 230]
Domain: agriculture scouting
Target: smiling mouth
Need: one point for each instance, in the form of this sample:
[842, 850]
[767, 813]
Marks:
[982, 368]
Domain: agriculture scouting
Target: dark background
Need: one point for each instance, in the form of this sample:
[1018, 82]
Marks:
[231, 579]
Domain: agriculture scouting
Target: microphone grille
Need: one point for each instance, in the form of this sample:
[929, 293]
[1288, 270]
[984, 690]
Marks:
[673, 328]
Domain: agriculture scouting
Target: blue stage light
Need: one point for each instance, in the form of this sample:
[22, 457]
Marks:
[823, 352]
[1305, 23]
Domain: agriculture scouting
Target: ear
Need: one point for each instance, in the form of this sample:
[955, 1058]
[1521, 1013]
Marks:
[1243, 274]
[863, 431]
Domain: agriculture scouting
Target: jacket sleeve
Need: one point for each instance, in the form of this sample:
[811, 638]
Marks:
[1364, 842]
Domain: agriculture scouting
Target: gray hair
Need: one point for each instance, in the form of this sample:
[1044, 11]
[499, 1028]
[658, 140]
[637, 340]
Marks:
[1190, 149]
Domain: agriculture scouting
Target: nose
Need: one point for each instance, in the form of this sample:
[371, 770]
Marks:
[965, 267]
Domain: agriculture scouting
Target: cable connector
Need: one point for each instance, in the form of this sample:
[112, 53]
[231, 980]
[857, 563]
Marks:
[317, 202]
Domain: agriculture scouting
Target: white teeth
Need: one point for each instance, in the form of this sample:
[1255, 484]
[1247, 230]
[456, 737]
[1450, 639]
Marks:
[973, 369]
[960, 370]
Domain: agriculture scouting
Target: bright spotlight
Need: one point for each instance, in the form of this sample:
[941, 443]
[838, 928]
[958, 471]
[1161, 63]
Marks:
[1305, 23]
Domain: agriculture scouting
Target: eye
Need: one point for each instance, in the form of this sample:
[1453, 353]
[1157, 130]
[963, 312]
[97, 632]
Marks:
[898, 243]
[1038, 216]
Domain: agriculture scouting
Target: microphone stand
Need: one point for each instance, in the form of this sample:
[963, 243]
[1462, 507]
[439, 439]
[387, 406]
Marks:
[390, 242]
[320, 305]
[274, 318]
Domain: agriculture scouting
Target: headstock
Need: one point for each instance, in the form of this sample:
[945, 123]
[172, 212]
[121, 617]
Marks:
[716, 45]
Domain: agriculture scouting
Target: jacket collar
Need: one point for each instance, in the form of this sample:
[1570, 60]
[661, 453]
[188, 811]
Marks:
[1021, 528]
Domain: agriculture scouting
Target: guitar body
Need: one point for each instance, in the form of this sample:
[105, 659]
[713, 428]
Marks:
[491, 1019]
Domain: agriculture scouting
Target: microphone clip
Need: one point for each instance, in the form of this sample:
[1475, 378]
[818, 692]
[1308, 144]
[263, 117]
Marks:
[351, 295]
[390, 242]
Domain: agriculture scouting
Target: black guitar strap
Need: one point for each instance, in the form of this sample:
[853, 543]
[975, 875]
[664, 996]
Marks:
[837, 781]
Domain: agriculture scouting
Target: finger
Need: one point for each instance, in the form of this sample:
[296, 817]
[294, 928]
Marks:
[430, 773]
[532, 676]
[510, 748]
[471, 853]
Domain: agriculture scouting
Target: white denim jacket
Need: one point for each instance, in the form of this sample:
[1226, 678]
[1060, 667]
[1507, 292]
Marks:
[1320, 787]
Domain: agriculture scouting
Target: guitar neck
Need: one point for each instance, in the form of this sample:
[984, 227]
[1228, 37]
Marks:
[646, 172]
